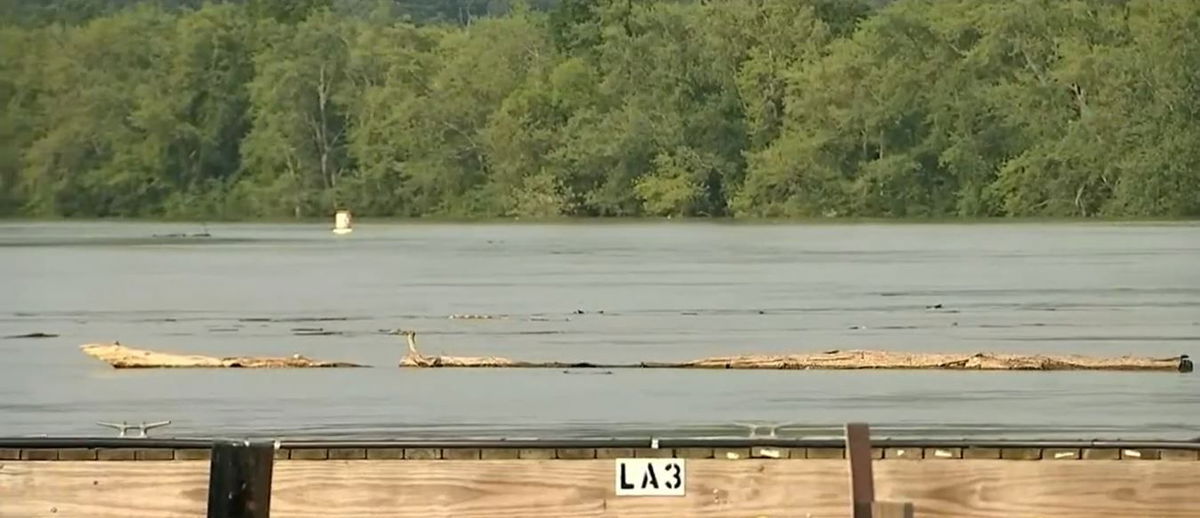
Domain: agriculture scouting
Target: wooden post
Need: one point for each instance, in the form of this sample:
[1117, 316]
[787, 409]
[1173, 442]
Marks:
[862, 480]
[239, 480]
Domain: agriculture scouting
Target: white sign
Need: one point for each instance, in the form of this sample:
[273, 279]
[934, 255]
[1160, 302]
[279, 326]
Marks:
[650, 477]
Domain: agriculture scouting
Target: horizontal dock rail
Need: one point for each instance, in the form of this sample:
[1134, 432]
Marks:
[10, 443]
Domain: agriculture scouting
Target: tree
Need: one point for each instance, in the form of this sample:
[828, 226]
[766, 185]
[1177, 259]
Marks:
[20, 53]
[548, 108]
[391, 69]
[101, 146]
[210, 70]
[296, 148]
[287, 11]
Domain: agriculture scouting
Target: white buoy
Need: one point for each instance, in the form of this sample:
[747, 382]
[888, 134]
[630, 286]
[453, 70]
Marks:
[341, 222]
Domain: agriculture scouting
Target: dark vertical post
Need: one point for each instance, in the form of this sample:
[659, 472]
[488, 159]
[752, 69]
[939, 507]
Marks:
[862, 480]
[239, 481]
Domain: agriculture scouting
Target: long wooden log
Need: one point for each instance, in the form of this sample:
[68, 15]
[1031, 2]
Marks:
[841, 360]
[122, 357]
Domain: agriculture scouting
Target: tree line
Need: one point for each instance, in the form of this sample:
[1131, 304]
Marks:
[743, 108]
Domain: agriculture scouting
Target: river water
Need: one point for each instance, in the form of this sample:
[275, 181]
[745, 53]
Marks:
[597, 292]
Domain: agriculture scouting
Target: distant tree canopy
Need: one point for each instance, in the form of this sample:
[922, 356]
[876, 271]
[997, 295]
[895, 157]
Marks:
[465, 108]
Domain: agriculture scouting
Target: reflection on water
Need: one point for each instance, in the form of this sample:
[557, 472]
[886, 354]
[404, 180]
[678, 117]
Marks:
[603, 293]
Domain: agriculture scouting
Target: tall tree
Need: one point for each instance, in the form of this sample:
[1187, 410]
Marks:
[391, 69]
[101, 147]
[287, 11]
[20, 57]
[296, 148]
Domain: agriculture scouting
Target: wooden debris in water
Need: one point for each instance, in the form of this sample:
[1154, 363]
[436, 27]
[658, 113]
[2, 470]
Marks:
[416, 359]
[122, 357]
[32, 335]
[868, 359]
[838, 360]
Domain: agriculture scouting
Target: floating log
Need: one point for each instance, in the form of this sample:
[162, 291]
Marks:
[181, 236]
[122, 357]
[416, 359]
[32, 335]
[869, 359]
[837, 360]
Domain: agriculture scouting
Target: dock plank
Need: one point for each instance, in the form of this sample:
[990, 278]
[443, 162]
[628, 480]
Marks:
[1008, 489]
[104, 489]
[715, 488]
[552, 488]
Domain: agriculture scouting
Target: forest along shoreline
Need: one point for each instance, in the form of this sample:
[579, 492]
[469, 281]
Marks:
[779, 108]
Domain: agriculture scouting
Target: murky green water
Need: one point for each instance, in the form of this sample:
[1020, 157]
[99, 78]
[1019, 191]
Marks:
[666, 292]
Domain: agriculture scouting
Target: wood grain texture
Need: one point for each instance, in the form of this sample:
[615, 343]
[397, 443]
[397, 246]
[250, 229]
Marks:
[545, 488]
[103, 489]
[891, 510]
[1007, 489]
[549, 488]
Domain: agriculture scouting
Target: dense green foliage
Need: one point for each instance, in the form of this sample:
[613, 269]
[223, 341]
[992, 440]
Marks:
[753, 108]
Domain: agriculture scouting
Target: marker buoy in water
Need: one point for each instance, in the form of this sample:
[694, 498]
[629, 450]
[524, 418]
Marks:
[341, 222]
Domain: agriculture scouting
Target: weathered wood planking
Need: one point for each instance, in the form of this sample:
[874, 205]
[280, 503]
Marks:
[716, 488]
[103, 489]
[1003, 489]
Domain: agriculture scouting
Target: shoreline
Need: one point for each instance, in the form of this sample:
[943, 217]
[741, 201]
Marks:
[360, 220]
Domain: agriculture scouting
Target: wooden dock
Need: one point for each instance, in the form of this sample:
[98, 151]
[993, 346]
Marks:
[345, 479]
